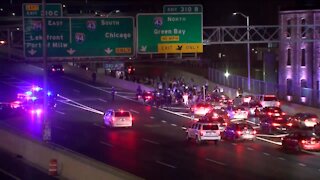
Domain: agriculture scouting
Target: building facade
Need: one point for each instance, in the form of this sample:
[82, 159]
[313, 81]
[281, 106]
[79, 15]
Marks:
[299, 56]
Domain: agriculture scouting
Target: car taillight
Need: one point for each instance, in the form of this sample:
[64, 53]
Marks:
[201, 133]
[289, 124]
[53, 69]
[215, 115]
[275, 124]
[269, 113]
[239, 132]
[303, 141]
[278, 103]
[314, 119]
[225, 124]
[283, 113]
[62, 69]
[113, 119]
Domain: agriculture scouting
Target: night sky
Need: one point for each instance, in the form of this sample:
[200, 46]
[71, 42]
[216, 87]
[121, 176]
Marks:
[216, 12]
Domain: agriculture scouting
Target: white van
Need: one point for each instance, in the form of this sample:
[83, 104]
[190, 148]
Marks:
[117, 118]
[269, 101]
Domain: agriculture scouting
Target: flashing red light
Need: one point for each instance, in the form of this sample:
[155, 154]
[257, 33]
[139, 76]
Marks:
[53, 69]
[254, 132]
[239, 132]
[303, 141]
[269, 113]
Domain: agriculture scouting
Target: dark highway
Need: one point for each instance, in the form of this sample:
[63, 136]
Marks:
[155, 147]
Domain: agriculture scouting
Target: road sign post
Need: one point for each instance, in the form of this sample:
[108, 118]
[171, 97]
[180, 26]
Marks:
[169, 33]
[80, 37]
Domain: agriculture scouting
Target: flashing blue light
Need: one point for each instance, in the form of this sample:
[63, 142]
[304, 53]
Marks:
[36, 88]
[28, 93]
[49, 93]
[33, 98]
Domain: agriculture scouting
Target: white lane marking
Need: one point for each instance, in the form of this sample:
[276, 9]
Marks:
[269, 141]
[166, 164]
[273, 136]
[267, 154]
[9, 174]
[249, 148]
[163, 121]
[234, 144]
[184, 128]
[151, 117]
[102, 100]
[281, 158]
[76, 90]
[173, 125]
[180, 108]
[137, 112]
[60, 112]
[99, 125]
[107, 144]
[150, 141]
[130, 93]
[175, 113]
[78, 105]
[216, 162]
[60, 128]
[301, 164]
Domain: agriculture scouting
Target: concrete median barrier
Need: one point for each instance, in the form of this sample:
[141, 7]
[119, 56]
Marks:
[69, 164]
[102, 78]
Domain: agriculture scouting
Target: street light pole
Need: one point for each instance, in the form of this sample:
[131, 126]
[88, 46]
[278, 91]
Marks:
[248, 47]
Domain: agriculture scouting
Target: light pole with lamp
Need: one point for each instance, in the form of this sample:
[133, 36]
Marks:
[248, 46]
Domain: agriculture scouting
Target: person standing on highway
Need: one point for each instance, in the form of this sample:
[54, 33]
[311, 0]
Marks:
[94, 77]
[113, 92]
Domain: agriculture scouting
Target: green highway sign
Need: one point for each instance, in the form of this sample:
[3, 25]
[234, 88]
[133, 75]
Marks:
[183, 8]
[169, 33]
[80, 37]
[35, 10]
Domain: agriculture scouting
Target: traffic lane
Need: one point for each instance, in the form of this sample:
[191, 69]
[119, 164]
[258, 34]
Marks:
[124, 149]
[15, 167]
[152, 137]
[8, 93]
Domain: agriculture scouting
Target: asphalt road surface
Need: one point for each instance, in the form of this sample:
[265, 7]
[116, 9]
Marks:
[155, 147]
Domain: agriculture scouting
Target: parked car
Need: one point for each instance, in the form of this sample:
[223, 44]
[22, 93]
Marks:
[239, 131]
[274, 124]
[304, 120]
[301, 140]
[204, 131]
